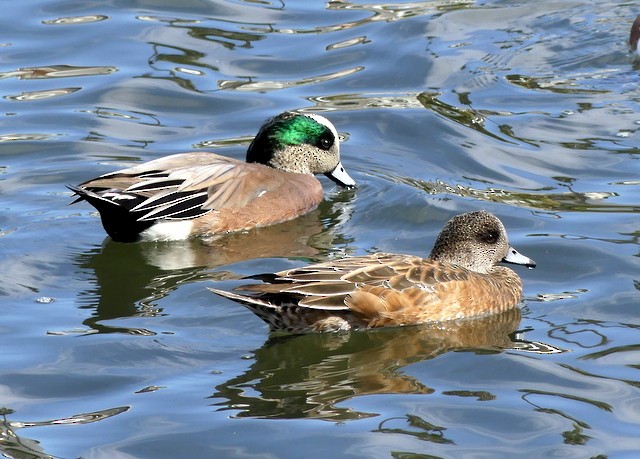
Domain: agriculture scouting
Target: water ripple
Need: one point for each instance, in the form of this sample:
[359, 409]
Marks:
[57, 71]
[76, 19]
[266, 85]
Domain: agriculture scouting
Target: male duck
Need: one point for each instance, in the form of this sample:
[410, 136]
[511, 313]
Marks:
[200, 193]
[460, 279]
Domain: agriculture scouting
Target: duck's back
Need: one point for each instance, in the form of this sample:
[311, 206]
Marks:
[196, 193]
[391, 289]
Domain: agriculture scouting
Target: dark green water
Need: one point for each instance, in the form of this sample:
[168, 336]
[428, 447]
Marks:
[528, 109]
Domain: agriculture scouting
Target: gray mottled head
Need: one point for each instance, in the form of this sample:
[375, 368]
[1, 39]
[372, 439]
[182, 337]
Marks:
[302, 143]
[476, 241]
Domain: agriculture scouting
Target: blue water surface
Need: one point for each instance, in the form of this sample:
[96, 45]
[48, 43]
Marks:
[527, 109]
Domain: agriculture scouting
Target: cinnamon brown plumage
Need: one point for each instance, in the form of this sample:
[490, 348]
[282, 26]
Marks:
[460, 279]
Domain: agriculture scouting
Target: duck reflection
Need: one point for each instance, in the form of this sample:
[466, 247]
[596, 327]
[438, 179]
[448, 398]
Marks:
[132, 278]
[300, 376]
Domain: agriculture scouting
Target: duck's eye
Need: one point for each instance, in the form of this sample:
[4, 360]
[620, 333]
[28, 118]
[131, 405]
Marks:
[490, 237]
[325, 143]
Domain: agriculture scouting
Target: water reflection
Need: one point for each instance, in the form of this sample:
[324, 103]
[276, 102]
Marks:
[552, 84]
[254, 45]
[13, 445]
[467, 116]
[574, 201]
[66, 20]
[417, 427]
[57, 71]
[308, 376]
[44, 94]
[132, 278]
[49, 72]
[268, 85]
[577, 435]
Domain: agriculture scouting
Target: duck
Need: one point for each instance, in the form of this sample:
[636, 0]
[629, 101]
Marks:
[460, 279]
[634, 36]
[204, 194]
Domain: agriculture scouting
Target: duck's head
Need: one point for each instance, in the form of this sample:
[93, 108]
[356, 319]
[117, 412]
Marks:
[302, 143]
[476, 241]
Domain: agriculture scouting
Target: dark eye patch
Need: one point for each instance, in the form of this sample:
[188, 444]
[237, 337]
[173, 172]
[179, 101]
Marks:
[489, 237]
[326, 141]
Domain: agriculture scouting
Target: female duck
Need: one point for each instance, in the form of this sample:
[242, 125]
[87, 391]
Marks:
[200, 193]
[460, 279]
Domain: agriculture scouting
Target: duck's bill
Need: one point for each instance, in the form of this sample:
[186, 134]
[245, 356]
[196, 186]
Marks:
[340, 176]
[515, 257]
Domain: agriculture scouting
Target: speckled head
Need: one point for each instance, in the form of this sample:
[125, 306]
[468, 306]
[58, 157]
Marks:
[302, 143]
[476, 241]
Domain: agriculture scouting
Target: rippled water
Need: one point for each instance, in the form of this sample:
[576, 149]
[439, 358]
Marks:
[527, 109]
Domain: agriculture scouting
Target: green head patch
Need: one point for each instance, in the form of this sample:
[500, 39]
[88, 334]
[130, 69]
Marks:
[288, 129]
[297, 130]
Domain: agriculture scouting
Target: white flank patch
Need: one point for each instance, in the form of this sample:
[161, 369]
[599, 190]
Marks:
[168, 231]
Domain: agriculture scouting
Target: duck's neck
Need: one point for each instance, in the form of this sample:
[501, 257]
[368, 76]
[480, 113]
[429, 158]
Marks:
[290, 159]
[465, 260]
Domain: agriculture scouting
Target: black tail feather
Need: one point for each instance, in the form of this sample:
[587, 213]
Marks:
[119, 222]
